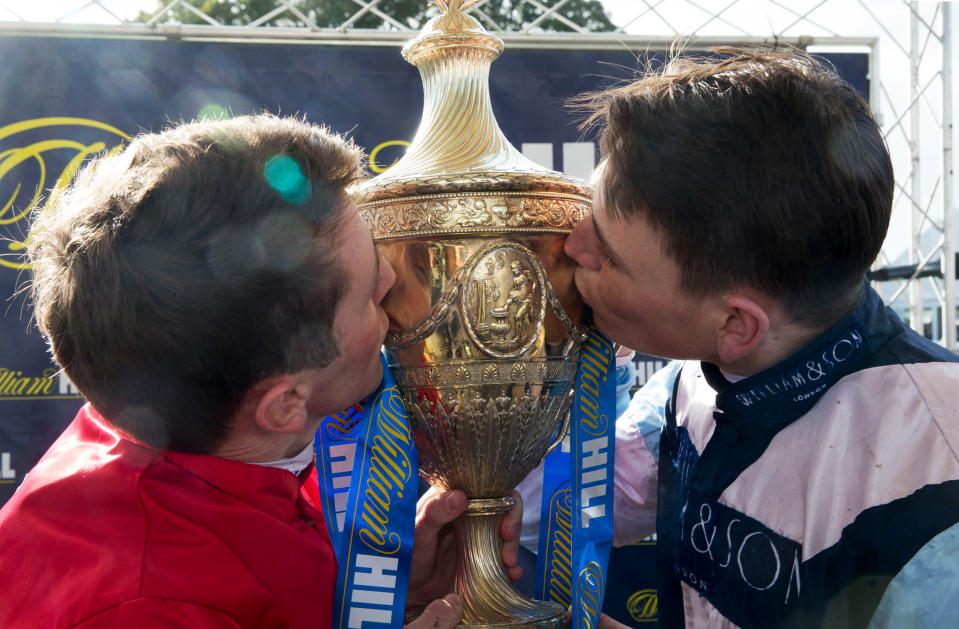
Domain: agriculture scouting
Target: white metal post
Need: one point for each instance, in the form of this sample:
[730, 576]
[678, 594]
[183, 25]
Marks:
[914, 293]
[948, 210]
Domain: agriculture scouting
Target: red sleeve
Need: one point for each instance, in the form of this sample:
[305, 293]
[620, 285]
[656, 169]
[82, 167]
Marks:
[159, 613]
[310, 488]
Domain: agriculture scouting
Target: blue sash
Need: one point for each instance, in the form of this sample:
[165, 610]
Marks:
[373, 534]
[335, 446]
[576, 520]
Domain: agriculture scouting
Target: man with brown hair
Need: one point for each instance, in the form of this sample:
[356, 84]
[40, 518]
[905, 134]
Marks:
[805, 460]
[213, 293]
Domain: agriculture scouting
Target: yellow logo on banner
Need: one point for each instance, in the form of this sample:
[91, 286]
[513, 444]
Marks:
[52, 384]
[643, 605]
[25, 194]
[377, 168]
[390, 470]
[559, 584]
[590, 585]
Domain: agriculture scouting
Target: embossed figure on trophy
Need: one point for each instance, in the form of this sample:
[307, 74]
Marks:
[522, 214]
[521, 294]
[501, 210]
[489, 313]
[504, 324]
[486, 291]
[474, 214]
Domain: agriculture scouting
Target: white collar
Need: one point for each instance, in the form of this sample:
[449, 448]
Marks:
[295, 464]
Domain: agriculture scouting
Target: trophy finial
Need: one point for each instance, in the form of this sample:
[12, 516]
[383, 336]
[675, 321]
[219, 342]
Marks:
[454, 6]
[453, 20]
[459, 146]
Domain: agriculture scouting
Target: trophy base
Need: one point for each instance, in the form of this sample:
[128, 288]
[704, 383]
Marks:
[489, 599]
[553, 617]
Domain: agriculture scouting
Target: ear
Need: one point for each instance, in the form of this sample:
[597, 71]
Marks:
[283, 406]
[744, 326]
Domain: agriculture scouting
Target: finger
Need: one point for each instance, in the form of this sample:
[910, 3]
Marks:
[444, 613]
[432, 567]
[510, 530]
[605, 622]
[437, 508]
[513, 522]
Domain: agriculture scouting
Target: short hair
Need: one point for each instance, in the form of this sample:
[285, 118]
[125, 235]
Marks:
[172, 276]
[759, 168]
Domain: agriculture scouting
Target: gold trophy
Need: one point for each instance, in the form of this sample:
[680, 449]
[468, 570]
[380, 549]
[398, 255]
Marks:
[484, 314]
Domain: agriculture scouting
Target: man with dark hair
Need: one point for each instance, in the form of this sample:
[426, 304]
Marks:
[805, 470]
[213, 293]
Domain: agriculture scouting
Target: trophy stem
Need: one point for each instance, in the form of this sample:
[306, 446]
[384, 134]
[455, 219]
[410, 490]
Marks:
[489, 599]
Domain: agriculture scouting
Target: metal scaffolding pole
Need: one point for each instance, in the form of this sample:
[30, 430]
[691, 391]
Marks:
[948, 210]
[915, 246]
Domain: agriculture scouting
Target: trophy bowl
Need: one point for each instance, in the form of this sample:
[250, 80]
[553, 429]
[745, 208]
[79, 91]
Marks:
[484, 339]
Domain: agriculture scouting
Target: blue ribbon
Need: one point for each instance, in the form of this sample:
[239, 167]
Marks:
[576, 523]
[554, 563]
[335, 446]
[373, 535]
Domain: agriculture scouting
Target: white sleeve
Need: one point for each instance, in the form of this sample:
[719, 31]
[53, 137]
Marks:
[637, 458]
[636, 462]
[531, 489]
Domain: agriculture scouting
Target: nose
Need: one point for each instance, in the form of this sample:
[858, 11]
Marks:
[581, 245]
[387, 277]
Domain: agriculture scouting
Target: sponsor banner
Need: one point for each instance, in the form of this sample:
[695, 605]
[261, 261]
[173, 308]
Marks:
[646, 366]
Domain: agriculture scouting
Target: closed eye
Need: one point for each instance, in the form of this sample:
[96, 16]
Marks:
[605, 252]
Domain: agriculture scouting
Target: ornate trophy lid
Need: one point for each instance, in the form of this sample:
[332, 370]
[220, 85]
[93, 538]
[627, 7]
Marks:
[459, 147]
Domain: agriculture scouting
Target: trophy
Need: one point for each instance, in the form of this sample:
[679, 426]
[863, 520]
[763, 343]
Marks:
[484, 331]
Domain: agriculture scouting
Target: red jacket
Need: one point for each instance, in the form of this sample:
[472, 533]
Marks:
[107, 532]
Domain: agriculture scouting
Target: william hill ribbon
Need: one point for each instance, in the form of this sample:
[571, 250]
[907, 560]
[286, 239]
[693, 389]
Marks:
[335, 447]
[576, 523]
[373, 536]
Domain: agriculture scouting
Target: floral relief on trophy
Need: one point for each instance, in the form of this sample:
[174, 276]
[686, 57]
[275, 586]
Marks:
[432, 214]
[543, 372]
[504, 300]
[537, 370]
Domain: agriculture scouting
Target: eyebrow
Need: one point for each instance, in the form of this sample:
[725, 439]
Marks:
[604, 247]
